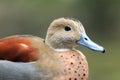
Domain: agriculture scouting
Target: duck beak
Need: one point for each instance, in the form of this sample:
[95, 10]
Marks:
[85, 41]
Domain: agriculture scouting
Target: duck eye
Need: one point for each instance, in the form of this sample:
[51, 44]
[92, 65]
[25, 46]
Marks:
[67, 28]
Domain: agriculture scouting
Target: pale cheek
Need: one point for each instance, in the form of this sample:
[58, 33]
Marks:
[76, 36]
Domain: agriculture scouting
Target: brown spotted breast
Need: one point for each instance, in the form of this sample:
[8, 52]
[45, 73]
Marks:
[73, 65]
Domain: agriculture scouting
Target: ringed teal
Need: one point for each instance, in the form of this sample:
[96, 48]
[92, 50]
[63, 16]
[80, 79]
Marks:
[54, 58]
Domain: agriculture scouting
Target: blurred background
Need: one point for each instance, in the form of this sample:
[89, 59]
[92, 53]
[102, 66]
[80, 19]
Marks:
[101, 19]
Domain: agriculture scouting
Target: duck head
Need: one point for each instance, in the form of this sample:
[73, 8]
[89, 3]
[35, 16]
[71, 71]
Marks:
[66, 33]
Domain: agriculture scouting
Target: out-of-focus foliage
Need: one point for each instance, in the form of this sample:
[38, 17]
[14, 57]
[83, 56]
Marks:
[28, 16]
[101, 19]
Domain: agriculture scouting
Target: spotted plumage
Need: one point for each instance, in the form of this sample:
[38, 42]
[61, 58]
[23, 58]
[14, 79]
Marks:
[73, 63]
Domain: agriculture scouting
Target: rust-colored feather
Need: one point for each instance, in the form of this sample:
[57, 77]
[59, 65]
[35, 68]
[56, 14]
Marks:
[18, 49]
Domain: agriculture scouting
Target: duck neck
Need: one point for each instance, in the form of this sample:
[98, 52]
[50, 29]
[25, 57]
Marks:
[59, 46]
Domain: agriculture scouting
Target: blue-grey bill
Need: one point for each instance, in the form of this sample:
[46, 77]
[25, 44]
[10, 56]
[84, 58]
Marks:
[85, 41]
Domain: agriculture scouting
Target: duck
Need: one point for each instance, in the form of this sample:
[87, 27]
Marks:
[28, 57]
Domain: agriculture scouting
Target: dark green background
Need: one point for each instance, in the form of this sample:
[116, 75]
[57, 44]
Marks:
[101, 19]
